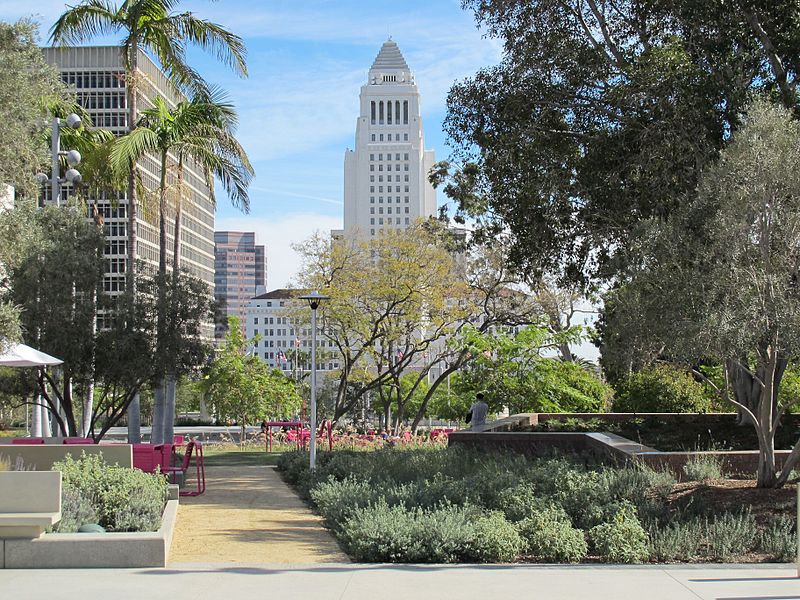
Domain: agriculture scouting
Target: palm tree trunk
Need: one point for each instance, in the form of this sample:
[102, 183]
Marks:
[159, 403]
[134, 409]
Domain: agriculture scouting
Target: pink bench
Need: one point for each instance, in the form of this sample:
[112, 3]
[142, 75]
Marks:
[27, 441]
[78, 440]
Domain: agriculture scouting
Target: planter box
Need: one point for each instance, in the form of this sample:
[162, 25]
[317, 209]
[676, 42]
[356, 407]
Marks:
[94, 550]
[41, 458]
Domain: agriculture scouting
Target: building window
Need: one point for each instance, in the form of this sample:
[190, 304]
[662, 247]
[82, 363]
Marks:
[372, 199]
[406, 220]
[405, 156]
[405, 112]
[380, 210]
[372, 137]
[380, 112]
[381, 137]
[372, 157]
[372, 167]
[372, 178]
[405, 167]
[405, 137]
[406, 198]
[380, 220]
[372, 232]
[372, 188]
[380, 199]
[389, 210]
[372, 210]
[255, 321]
[373, 114]
[372, 221]
[406, 210]
[380, 156]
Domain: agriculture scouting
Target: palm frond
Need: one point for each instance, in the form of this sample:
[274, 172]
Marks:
[89, 19]
[228, 47]
[133, 146]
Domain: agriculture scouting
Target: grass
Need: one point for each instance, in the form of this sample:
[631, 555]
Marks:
[232, 455]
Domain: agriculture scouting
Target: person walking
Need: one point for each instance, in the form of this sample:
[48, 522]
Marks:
[476, 416]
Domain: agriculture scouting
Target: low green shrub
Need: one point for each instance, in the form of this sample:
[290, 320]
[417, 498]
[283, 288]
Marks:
[622, 539]
[703, 467]
[678, 541]
[495, 540]
[520, 501]
[730, 535]
[778, 540]
[136, 498]
[77, 510]
[661, 388]
[549, 535]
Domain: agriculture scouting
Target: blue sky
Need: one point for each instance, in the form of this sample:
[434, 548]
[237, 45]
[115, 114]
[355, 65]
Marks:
[298, 109]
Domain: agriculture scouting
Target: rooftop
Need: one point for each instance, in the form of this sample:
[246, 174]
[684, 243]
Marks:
[390, 58]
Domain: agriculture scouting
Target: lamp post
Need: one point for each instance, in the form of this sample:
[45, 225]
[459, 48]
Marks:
[314, 299]
[72, 175]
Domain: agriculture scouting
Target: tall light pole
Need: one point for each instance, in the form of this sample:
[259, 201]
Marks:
[314, 299]
[72, 175]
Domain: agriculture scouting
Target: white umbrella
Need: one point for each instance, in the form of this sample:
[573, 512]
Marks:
[20, 355]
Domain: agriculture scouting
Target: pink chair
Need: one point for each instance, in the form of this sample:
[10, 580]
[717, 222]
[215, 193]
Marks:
[144, 457]
[28, 441]
[196, 447]
[78, 440]
[178, 440]
[162, 456]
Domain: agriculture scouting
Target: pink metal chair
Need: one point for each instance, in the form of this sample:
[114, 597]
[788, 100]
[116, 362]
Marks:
[196, 447]
[178, 440]
[144, 457]
[28, 441]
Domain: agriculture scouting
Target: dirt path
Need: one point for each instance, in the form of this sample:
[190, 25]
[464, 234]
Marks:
[249, 515]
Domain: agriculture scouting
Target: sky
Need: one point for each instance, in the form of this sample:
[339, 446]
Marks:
[307, 61]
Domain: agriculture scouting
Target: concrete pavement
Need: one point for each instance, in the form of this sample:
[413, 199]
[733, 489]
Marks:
[420, 582]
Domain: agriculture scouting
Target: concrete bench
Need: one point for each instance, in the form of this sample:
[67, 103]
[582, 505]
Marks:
[30, 502]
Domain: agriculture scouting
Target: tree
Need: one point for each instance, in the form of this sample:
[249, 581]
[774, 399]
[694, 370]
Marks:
[602, 115]
[398, 306]
[514, 371]
[201, 131]
[148, 26]
[242, 386]
[718, 283]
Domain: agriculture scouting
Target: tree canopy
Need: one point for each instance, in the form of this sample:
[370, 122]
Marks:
[603, 114]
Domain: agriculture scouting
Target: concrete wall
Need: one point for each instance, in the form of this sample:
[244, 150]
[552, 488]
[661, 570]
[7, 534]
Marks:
[42, 457]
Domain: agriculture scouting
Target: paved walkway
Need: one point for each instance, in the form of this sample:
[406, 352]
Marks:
[350, 582]
[249, 515]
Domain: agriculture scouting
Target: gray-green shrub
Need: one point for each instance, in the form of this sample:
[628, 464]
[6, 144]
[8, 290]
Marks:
[135, 497]
[495, 540]
[678, 541]
[622, 539]
[730, 535]
[778, 540]
[548, 534]
[76, 510]
[703, 467]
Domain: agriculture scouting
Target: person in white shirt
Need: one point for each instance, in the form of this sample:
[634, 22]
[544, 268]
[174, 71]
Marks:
[476, 416]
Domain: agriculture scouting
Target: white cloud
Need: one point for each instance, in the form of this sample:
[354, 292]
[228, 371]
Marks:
[278, 234]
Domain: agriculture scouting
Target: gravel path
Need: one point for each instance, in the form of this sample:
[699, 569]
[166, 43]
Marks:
[249, 515]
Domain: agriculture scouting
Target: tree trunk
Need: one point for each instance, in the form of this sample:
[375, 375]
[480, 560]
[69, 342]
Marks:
[134, 414]
[169, 409]
[135, 420]
[157, 435]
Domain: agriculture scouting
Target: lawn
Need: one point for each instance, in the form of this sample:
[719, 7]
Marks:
[227, 455]
[454, 505]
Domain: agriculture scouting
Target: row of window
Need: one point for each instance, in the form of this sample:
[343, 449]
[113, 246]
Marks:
[389, 156]
[388, 178]
[388, 189]
[93, 79]
[388, 112]
[98, 100]
[286, 344]
[389, 168]
[389, 137]
[388, 221]
[388, 199]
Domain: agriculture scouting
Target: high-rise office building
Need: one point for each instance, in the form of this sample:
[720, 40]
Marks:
[386, 176]
[240, 272]
[97, 74]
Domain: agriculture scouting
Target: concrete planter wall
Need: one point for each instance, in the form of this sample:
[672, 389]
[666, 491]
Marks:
[42, 457]
[30, 502]
[93, 550]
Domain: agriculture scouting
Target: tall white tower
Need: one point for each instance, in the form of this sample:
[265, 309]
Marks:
[386, 176]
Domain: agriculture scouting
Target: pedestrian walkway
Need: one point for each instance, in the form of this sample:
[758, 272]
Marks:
[357, 582]
[249, 515]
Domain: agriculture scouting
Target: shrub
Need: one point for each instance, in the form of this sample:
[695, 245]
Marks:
[779, 540]
[549, 534]
[661, 388]
[495, 540]
[730, 535]
[676, 541]
[381, 533]
[137, 498]
[703, 467]
[520, 501]
[77, 510]
[621, 540]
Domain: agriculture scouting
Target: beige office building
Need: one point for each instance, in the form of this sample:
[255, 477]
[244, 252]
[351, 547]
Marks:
[97, 75]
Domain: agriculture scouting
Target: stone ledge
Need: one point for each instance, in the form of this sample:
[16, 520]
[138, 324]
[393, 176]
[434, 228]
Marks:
[94, 550]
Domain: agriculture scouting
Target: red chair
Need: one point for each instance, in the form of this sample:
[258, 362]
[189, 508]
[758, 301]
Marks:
[178, 440]
[27, 441]
[78, 440]
[144, 457]
[196, 447]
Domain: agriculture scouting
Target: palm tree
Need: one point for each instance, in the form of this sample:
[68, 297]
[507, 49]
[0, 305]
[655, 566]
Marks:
[153, 27]
[201, 132]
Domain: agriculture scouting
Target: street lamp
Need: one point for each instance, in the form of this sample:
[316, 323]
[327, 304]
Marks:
[314, 299]
[72, 175]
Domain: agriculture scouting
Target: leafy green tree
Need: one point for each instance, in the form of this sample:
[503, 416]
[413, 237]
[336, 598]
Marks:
[603, 114]
[514, 371]
[717, 283]
[244, 387]
[661, 388]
